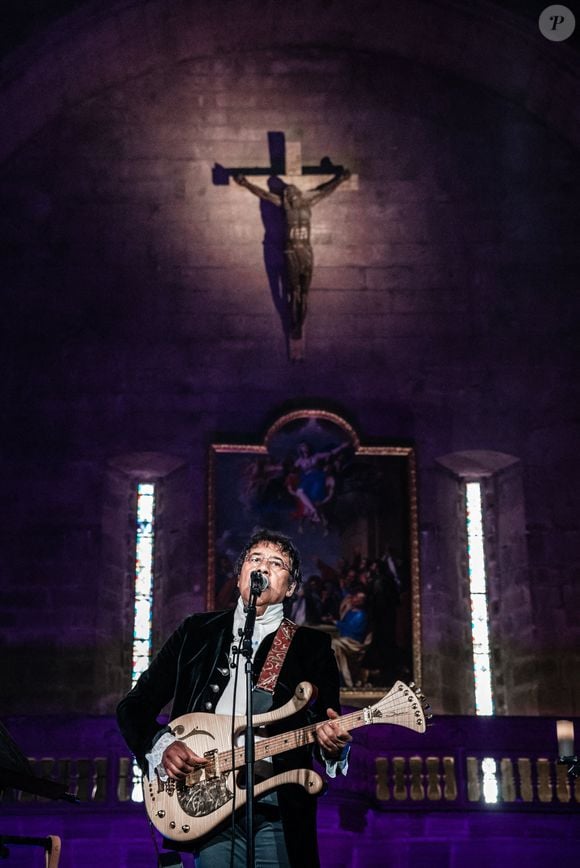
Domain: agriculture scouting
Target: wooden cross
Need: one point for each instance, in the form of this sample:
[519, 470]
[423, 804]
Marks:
[286, 164]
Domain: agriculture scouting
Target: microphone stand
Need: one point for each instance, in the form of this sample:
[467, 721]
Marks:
[246, 651]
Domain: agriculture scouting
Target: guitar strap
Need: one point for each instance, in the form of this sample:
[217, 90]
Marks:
[276, 656]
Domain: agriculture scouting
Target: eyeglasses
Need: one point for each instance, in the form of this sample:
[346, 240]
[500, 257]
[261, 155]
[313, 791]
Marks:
[274, 563]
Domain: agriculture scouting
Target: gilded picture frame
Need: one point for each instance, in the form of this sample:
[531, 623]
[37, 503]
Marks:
[351, 509]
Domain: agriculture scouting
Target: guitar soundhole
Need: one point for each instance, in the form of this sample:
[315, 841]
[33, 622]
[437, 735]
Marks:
[204, 797]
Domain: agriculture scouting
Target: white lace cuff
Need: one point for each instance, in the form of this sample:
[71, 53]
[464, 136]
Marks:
[155, 755]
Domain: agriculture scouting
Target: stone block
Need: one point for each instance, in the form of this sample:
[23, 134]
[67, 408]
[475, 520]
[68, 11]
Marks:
[329, 278]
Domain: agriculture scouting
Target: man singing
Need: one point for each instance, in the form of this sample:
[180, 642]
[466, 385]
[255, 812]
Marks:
[193, 670]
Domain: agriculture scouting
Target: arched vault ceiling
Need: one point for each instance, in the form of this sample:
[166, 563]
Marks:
[104, 43]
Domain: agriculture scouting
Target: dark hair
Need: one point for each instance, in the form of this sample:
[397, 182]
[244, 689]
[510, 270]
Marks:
[285, 545]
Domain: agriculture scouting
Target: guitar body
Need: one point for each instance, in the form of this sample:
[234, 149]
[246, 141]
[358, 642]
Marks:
[190, 809]
[185, 811]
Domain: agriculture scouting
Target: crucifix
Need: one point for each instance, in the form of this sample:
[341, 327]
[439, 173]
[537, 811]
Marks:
[296, 204]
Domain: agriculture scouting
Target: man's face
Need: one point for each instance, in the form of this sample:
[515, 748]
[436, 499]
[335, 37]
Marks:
[273, 564]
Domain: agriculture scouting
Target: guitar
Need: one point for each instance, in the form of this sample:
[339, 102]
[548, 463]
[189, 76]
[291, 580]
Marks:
[189, 809]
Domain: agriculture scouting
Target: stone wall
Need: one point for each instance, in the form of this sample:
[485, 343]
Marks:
[138, 318]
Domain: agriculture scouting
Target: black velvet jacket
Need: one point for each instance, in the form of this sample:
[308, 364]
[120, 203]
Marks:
[191, 670]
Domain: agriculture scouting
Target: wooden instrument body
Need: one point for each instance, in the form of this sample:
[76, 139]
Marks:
[190, 809]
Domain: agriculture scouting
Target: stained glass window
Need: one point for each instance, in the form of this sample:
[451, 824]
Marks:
[478, 595]
[143, 579]
[143, 606]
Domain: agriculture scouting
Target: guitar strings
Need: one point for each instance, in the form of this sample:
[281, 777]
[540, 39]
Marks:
[390, 706]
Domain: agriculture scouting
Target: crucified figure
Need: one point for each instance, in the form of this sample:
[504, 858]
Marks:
[297, 250]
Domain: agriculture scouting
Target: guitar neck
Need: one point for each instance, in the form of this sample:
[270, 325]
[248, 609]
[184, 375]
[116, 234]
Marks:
[400, 706]
[306, 735]
[277, 744]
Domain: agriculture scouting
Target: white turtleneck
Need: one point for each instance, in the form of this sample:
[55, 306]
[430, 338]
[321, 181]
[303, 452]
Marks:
[264, 625]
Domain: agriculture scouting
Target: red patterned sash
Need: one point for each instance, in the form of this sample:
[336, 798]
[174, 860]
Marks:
[273, 664]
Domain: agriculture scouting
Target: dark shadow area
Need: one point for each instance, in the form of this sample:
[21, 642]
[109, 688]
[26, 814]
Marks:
[274, 222]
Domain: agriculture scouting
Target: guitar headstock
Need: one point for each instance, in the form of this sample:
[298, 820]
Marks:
[403, 705]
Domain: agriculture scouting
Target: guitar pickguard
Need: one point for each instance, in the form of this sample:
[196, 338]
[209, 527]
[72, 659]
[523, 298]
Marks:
[204, 797]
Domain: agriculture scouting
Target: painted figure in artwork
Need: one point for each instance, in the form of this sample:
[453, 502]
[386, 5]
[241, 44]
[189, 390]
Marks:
[298, 249]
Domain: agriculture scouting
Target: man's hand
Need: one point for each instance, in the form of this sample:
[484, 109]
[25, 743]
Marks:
[330, 737]
[179, 761]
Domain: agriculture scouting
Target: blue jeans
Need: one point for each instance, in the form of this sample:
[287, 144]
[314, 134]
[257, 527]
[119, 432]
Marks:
[269, 846]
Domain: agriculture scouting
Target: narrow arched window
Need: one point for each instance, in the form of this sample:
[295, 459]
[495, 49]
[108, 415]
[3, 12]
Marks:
[147, 563]
[478, 595]
[479, 643]
[144, 560]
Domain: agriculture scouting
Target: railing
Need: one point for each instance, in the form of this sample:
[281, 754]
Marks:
[464, 764]
[460, 764]
[474, 782]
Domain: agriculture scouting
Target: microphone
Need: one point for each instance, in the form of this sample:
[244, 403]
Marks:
[258, 582]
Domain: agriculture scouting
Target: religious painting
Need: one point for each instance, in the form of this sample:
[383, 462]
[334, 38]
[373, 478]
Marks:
[351, 511]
